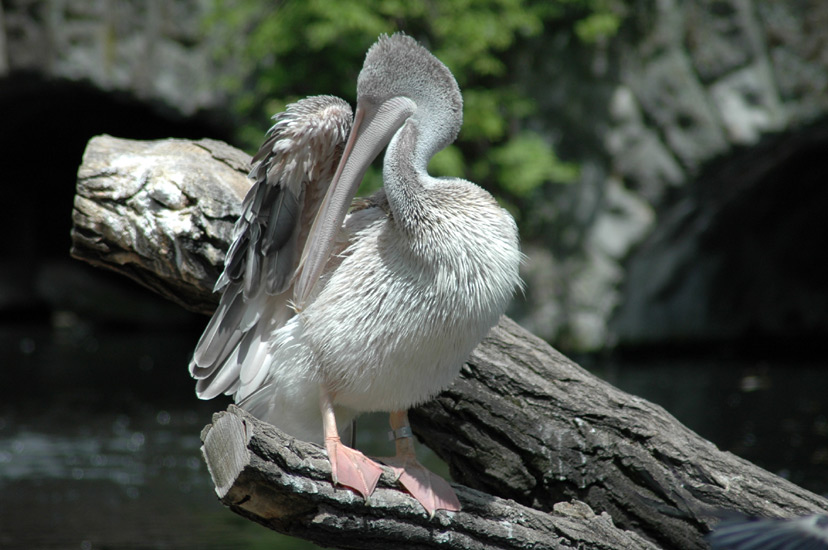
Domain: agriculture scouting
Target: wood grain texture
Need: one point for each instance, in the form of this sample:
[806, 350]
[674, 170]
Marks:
[160, 212]
[526, 423]
[284, 484]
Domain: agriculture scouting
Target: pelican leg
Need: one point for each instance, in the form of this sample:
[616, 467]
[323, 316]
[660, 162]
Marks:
[430, 490]
[349, 467]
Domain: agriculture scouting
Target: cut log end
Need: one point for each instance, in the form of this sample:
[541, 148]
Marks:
[225, 451]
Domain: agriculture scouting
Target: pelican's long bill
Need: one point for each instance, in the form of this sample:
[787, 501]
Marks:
[374, 126]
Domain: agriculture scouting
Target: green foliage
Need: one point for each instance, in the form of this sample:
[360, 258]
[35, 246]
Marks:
[448, 162]
[526, 162]
[282, 51]
[603, 22]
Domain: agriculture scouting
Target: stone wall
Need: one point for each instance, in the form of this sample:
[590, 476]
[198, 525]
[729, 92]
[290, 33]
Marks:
[709, 106]
[153, 50]
[697, 129]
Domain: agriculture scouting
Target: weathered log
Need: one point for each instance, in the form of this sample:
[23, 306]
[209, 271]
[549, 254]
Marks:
[160, 212]
[284, 484]
[522, 422]
[526, 423]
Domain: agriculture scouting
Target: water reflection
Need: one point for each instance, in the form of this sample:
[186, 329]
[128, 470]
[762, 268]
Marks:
[99, 446]
[99, 435]
[119, 454]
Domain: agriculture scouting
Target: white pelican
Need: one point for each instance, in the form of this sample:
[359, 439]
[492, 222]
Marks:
[384, 304]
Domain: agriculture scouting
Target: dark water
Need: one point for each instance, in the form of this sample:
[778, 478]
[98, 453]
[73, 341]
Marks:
[99, 435]
[774, 414]
[99, 445]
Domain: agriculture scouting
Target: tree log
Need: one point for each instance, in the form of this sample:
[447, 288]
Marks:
[522, 422]
[160, 212]
[526, 423]
[284, 484]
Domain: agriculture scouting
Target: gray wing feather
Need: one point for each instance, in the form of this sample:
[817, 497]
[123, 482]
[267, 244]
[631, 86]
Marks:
[281, 222]
[222, 332]
[219, 381]
[291, 172]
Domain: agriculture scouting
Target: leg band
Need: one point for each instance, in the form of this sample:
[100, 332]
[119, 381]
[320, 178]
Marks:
[400, 433]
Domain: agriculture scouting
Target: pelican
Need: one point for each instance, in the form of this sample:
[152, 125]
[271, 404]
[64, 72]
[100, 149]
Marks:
[326, 313]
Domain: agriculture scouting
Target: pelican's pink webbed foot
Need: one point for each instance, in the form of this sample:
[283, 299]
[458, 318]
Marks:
[430, 490]
[351, 468]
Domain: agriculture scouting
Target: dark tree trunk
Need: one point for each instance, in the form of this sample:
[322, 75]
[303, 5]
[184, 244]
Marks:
[526, 423]
[522, 422]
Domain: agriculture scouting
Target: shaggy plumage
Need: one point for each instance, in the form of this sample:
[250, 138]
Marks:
[385, 304]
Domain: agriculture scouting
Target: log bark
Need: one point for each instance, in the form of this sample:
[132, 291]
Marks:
[522, 422]
[160, 212]
[284, 484]
[526, 423]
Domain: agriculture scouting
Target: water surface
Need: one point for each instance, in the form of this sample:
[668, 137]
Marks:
[99, 434]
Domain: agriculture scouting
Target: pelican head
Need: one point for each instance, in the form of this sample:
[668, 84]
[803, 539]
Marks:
[399, 81]
[398, 68]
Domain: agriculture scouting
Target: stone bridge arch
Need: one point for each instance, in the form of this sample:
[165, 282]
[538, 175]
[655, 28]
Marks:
[700, 206]
[687, 126]
[740, 256]
[70, 70]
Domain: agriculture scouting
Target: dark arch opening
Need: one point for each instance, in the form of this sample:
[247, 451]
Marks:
[771, 235]
[738, 258]
[46, 125]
